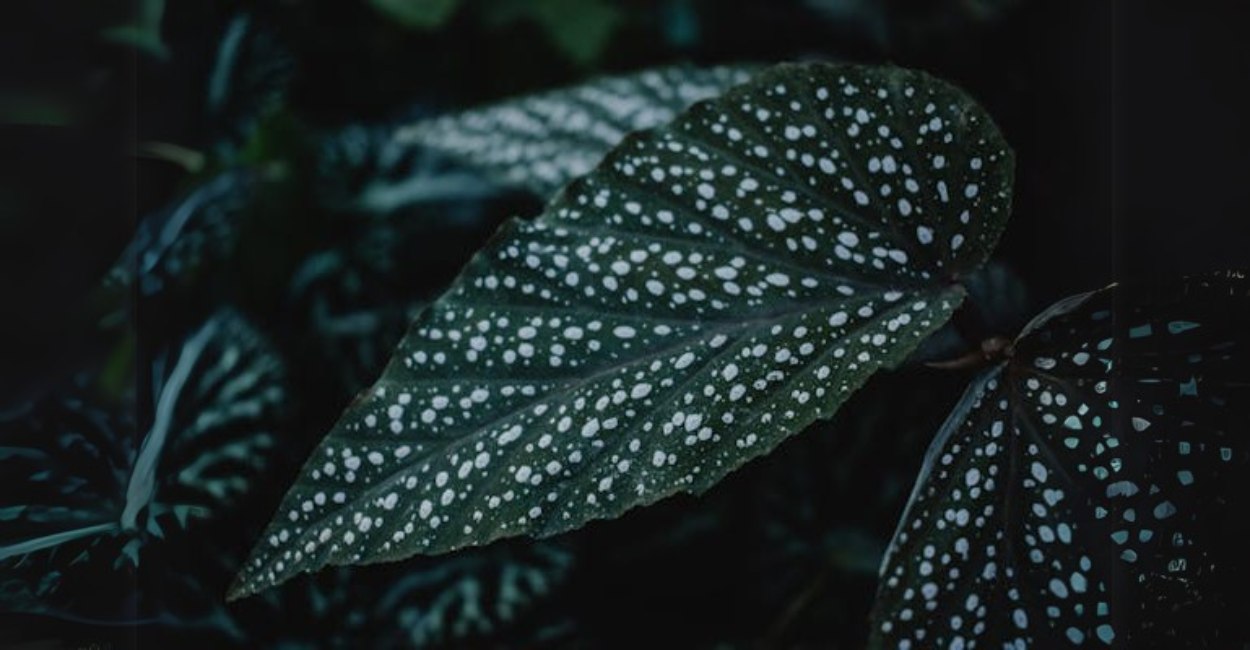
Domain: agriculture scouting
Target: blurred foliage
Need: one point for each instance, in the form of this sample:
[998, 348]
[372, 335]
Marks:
[580, 29]
[422, 14]
[144, 32]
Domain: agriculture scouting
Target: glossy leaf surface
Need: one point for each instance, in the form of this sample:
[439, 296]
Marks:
[715, 286]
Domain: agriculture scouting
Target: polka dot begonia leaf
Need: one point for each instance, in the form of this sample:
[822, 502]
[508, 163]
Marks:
[1081, 493]
[714, 286]
[541, 142]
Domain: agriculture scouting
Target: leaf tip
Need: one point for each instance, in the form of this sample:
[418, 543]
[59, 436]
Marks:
[240, 588]
[254, 577]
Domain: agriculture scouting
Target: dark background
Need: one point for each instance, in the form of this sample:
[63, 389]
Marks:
[1128, 121]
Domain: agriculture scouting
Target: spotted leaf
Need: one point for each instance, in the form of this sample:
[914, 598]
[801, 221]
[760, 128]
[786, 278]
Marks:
[171, 245]
[84, 502]
[1083, 492]
[364, 168]
[543, 141]
[713, 287]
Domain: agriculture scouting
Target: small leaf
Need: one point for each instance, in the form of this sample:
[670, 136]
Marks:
[81, 502]
[473, 595]
[543, 141]
[249, 79]
[365, 168]
[417, 14]
[171, 245]
[713, 287]
[144, 32]
[581, 29]
[1080, 492]
[212, 431]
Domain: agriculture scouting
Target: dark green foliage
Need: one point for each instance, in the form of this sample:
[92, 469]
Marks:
[422, 603]
[1081, 490]
[542, 142]
[374, 170]
[171, 246]
[248, 81]
[301, 181]
[635, 341]
[92, 500]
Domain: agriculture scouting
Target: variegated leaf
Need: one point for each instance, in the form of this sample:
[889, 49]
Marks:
[171, 245]
[365, 168]
[713, 287]
[543, 141]
[352, 328]
[83, 500]
[1081, 494]
[251, 73]
[467, 598]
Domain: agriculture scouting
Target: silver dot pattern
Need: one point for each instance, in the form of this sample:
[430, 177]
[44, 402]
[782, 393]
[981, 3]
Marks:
[543, 141]
[1076, 495]
[713, 287]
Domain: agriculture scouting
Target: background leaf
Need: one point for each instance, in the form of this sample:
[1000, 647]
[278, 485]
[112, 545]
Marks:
[88, 506]
[143, 32]
[455, 601]
[418, 14]
[579, 28]
[170, 246]
[249, 80]
[635, 340]
[367, 169]
[543, 141]
[354, 323]
[1089, 490]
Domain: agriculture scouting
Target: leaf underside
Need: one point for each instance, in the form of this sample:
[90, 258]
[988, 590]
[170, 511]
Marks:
[543, 141]
[713, 287]
[1079, 494]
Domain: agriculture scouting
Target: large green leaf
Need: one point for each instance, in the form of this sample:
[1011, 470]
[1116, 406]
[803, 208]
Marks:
[543, 141]
[713, 287]
[1091, 490]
